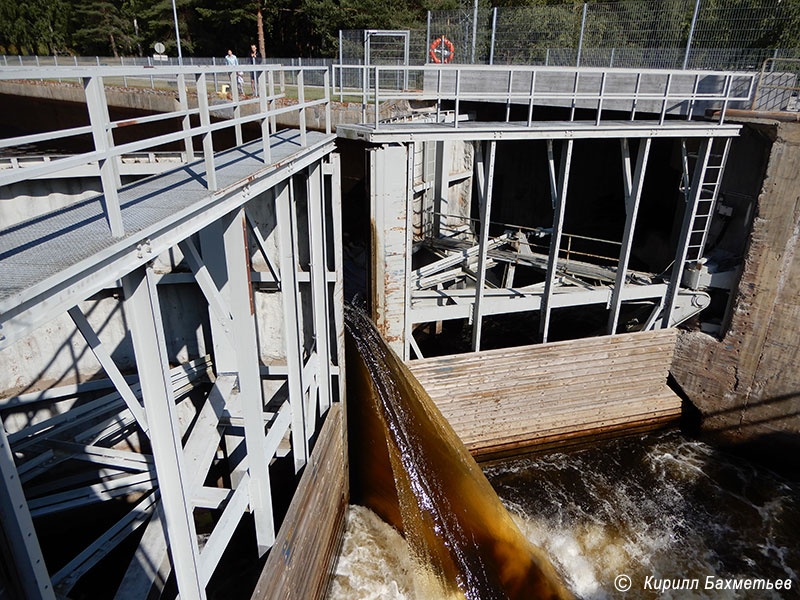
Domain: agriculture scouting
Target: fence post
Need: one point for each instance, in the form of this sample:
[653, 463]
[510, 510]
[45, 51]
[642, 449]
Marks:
[124, 78]
[494, 29]
[474, 30]
[580, 39]
[691, 34]
[427, 39]
[216, 86]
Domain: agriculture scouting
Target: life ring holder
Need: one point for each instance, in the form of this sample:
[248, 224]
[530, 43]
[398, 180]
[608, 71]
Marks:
[447, 51]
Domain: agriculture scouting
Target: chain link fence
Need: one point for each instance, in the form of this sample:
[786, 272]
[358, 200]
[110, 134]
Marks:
[694, 34]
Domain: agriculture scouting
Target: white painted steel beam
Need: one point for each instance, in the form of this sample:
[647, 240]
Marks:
[319, 286]
[633, 194]
[28, 562]
[333, 169]
[511, 301]
[109, 366]
[560, 195]
[186, 123]
[246, 351]
[441, 184]
[485, 173]
[25, 311]
[69, 574]
[290, 298]
[141, 299]
[696, 190]
[539, 130]
[208, 142]
[98, 117]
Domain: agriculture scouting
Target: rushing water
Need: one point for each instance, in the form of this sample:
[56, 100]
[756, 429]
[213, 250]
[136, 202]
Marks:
[659, 506]
[415, 472]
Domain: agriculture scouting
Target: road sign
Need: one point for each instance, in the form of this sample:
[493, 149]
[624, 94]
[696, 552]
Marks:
[159, 47]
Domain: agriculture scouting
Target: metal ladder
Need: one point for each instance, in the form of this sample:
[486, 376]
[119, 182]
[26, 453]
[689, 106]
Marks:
[709, 192]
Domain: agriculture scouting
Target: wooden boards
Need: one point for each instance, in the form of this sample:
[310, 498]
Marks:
[300, 563]
[507, 399]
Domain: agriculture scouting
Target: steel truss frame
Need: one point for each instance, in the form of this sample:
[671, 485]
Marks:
[428, 302]
[235, 420]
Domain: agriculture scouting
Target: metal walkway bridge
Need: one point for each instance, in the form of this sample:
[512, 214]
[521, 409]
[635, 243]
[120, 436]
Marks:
[246, 226]
[198, 404]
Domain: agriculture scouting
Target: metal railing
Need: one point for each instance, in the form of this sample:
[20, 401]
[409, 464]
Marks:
[586, 87]
[107, 153]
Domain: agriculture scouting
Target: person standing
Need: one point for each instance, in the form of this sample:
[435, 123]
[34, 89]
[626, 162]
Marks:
[256, 59]
[231, 60]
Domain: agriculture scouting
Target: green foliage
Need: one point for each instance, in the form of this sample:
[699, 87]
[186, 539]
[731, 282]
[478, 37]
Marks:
[310, 27]
[33, 27]
[103, 27]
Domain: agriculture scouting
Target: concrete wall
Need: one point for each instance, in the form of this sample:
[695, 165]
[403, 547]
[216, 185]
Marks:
[747, 384]
[56, 354]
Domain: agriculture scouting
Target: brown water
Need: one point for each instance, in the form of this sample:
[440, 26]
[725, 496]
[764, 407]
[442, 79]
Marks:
[410, 468]
[659, 505]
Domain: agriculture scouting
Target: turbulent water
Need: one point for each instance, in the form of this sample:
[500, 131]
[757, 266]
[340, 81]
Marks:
[661, 507]
[411, 468]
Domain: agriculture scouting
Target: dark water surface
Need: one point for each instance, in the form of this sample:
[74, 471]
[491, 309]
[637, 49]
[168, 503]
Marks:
[660, 506]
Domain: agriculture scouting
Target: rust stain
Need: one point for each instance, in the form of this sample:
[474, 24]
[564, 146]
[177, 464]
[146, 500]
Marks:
[249, 267]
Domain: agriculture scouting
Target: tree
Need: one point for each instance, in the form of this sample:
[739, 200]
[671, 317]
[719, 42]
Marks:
[102, 26]
[35, 27]
[160, 24]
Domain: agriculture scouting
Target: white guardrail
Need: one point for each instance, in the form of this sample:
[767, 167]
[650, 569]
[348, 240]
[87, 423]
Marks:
[573, 87]
[271, 82]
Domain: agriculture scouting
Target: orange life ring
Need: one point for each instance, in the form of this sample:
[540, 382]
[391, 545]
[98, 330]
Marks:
[448, 51]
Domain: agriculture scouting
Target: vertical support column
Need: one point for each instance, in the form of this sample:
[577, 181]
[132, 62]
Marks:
[633, 193]
[427, 39]
[237, 109]
[338, 287]
[150, 348]
[441, 186]
[208, 142]
[263, 107]
[698, 176]
[319, 282]
[494, 30]
[409, 245]
[485, 174]
[271, 80]
[290, 297]
[691, 35]
[183, 102]
[559, 195]
[474, 30]
[245, 346]
[98, 118]
[580, 39]
[301, 100]
[326, 84]
[388, 206]
[28, 563]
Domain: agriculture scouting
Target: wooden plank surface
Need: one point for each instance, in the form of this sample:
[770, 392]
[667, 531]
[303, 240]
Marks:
[516, 397]
[300, 563]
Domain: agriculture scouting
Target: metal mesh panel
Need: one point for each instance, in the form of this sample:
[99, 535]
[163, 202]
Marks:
[524, 35]
[633, 33]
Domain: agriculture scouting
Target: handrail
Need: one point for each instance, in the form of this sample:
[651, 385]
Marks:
[373, 92]
[108, 154]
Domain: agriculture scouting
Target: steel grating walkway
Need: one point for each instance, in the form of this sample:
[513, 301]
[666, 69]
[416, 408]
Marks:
[60, 248]
[520, 130]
